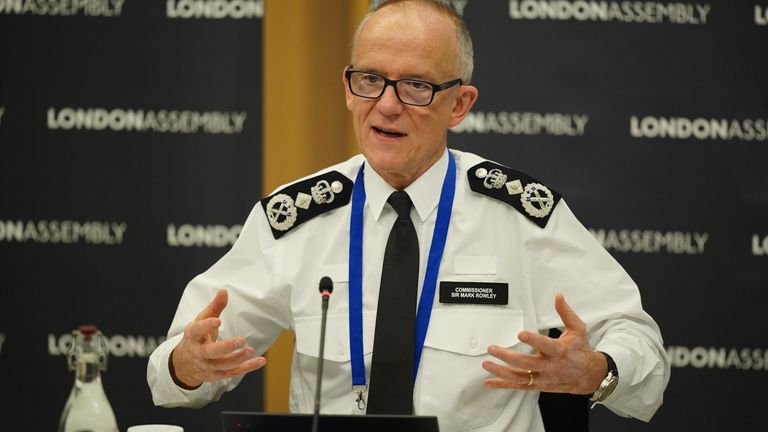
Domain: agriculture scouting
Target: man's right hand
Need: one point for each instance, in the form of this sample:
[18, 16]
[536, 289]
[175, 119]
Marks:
[200, 357]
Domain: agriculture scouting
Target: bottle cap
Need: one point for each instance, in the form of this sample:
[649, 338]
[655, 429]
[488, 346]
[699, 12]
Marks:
[87, 329]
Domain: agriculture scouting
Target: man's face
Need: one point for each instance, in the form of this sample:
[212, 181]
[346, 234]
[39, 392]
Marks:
[407, 41]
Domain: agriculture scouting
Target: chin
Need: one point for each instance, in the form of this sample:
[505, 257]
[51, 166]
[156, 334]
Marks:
[386, 163]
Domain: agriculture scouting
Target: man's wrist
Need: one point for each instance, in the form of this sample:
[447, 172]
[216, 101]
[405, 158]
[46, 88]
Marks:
[598, 372]
[175, 378]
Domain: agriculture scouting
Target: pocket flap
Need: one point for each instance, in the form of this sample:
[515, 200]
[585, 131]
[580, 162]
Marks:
[336, 336]
[476, 265]
[470, 331]
[337, 272]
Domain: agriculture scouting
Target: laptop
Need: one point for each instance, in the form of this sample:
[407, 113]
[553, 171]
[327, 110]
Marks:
[234, 421]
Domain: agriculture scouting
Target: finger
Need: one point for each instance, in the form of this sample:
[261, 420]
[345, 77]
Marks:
[233, 360]
[222, 348]
[201, 330]
[214, 308]
[543, 344]
[500, 383]
[514, 376]
[515, 359]
[571, 320]
[247, 366]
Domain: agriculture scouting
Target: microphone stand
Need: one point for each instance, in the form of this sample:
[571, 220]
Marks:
[326, 288]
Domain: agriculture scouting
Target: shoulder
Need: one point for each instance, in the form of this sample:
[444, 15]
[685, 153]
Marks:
[519, 190]
[295, 203]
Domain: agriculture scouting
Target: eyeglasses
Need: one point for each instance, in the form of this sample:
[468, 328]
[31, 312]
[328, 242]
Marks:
[371, 85]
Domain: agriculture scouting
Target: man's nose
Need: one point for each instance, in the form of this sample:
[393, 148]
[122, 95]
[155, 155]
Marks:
[389, 103]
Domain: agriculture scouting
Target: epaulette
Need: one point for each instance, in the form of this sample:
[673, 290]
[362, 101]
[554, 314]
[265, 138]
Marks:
[517, 189]
[295, 204]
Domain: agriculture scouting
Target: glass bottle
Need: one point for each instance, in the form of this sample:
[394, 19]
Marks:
[87, 409]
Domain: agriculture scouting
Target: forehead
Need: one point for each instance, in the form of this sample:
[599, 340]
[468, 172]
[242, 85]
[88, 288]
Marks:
[408, 40]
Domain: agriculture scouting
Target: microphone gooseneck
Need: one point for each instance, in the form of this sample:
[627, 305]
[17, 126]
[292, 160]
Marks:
[326, 288]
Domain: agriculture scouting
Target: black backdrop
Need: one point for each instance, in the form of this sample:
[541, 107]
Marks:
[124, 173]
[130, 152]
[655, 133]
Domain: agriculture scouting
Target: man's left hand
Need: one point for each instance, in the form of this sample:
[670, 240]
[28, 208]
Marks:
[564, 365]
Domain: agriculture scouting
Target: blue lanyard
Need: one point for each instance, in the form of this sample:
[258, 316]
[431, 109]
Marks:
[430, 279]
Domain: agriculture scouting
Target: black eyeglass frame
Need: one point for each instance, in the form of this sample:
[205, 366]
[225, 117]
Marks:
[390, 82]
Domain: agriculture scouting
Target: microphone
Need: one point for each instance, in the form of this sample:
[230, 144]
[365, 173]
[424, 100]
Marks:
[326, 288]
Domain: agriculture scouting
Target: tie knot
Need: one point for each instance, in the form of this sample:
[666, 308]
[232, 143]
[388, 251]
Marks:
[401, 202]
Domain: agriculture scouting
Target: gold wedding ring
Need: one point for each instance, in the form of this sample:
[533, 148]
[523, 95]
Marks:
[530, 377]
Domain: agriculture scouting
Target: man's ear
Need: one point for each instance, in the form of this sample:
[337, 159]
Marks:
[464, 100]
[348, 96]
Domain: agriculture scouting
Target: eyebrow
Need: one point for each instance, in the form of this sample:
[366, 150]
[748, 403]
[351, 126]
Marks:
[415, 76]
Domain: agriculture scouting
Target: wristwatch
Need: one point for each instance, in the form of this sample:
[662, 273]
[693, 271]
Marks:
[609, 382]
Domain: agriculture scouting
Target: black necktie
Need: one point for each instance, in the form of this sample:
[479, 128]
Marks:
[391, 389]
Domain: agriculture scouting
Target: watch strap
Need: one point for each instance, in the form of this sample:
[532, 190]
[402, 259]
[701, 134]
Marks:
[611, 364]
[609, 382]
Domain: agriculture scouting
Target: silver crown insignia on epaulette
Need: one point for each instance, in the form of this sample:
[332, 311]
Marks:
[324, 193]
[493, 179]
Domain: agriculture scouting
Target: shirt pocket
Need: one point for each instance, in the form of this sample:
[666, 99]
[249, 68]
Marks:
[454, 350]
[337, 395]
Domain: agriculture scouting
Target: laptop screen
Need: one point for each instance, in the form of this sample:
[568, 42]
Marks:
[267, 422]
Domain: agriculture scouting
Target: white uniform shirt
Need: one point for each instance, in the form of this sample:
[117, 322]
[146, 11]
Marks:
[273, 286]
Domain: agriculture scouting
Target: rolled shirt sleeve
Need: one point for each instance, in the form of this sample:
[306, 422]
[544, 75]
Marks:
[257, 309]
[566, 258]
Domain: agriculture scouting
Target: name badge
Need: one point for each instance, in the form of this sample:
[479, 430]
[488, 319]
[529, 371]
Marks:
[489, 293]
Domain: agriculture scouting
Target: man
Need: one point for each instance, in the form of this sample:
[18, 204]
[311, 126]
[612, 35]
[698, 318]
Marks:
[483, 256]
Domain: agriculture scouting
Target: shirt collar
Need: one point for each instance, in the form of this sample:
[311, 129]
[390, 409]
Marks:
[424, 191]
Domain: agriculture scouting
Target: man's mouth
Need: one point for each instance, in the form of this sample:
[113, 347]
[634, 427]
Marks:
[389, 133]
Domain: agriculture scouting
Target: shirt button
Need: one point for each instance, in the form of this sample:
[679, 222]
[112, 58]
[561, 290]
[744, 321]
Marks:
[340, 349]
[473, 342]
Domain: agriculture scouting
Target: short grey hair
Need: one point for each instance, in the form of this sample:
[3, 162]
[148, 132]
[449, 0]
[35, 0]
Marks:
[465, 59]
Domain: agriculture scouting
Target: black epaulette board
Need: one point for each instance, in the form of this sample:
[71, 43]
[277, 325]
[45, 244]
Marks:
[295, 204]
[521, 191]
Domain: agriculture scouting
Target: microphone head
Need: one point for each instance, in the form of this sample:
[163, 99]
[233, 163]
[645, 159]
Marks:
[326, 285]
